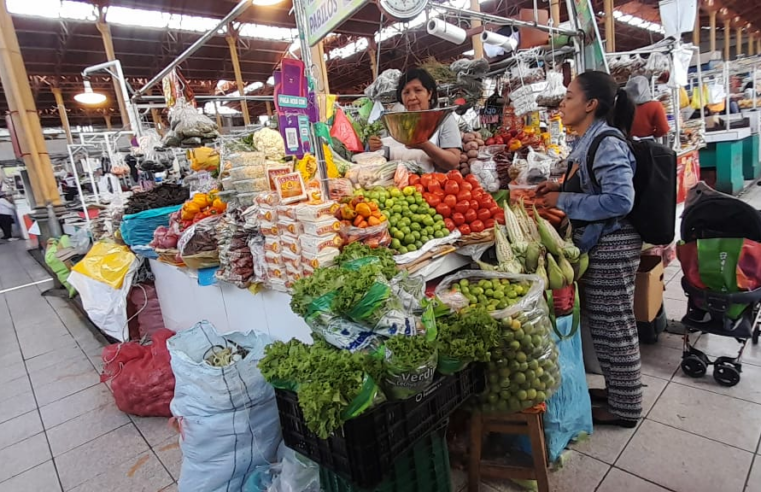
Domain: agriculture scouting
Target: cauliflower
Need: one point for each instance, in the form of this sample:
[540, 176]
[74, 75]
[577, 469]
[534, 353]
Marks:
[270, 142]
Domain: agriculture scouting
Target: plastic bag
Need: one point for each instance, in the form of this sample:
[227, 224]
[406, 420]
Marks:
[554, 92]
[228, 415]
[186, 122]
[297, 474]
[141, 375]
[59, 267]
[373, 236]
[384, 87]
[200, 237]
[108, 263]
[144, 311]
[137, 229]
[371, 174]
[80, 241]
[344, 131]
[486, 172]
[538, 169]
[524, 370]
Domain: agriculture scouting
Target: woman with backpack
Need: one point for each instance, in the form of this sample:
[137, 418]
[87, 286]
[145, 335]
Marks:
[598, 206]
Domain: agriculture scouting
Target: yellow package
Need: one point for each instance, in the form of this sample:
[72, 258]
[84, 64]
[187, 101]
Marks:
[107, 263]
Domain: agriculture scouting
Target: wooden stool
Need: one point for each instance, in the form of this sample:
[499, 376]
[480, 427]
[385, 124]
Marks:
[528, 422]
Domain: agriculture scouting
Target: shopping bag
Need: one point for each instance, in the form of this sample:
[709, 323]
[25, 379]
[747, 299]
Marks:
[343, 130]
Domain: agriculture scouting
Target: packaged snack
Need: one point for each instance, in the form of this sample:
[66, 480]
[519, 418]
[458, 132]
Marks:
[273, 258]
[247, 172]
[289, 211]
[250, 185]
[273, 244]
[315, 244]
[270, 198]
[291, 258]
[268, 229]
[273, 171]
[267, 214]
[245, 200]
[275, 272]
[316, 213]
[293, 270]
[277, 284]
[288, 227]
[290, 188]
[322, 228]
[325, 258]
[291, 243]
[246, 159]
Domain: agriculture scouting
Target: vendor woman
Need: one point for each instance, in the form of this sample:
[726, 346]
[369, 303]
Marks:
[417, 92]
[594, 104]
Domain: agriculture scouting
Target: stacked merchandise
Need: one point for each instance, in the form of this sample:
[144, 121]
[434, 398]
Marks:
[236, 263]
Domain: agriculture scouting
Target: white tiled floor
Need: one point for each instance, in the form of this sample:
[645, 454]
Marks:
[60, 429]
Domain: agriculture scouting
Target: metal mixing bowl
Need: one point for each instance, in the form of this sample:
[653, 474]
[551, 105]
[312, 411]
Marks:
[414, 127]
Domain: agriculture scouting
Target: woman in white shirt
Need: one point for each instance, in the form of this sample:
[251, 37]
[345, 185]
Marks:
[7, 214]
[417, 92]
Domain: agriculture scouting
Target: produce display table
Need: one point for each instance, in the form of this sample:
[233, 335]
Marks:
[184, 302]
[752, 146]
[724, 152]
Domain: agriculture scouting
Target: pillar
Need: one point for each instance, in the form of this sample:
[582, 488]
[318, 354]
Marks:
[23, 114]
[727, 36]
[108, 45]
[555, 12]
[373, 62]
[107, 118]
[712, 31]
[696, 30]
[218, 116]
[62, 113]
[232, 42]
[610, 24]
[751, 44]
[478, 45]
[269, 108]
[739, 42]
[320, 69]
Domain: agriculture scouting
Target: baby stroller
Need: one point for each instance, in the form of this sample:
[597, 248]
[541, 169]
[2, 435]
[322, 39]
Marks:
[720, 255]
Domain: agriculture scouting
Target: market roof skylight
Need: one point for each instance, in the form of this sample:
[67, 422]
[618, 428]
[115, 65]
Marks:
[635, 21]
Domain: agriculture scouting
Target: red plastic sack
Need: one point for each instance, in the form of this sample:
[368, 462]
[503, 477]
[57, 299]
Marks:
[141, 375]
[344, 131]
[144, 311]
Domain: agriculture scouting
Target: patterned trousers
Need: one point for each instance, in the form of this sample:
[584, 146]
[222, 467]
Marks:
[607, 308]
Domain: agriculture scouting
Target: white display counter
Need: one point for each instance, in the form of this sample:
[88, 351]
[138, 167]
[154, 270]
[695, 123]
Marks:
[184, 302]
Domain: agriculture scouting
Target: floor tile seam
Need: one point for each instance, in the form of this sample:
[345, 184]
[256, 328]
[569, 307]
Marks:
[24, 439]
[699, 435]
[72, 336]
[60, 362]
[104, 470]
[645, 479]
[715, 392]
[91, 410]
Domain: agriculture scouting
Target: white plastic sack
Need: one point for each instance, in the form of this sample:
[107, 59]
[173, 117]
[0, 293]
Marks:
[106, 307]
[228, 415]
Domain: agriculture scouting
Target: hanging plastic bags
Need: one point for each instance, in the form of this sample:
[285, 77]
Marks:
[228, 415]
[141, 376]
[344, 131]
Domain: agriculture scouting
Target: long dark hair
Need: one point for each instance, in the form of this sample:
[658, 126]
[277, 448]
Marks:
[613, 103]
[425, 78]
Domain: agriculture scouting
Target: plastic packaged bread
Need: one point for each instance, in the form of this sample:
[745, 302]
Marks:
[316, 212]
[326, 227]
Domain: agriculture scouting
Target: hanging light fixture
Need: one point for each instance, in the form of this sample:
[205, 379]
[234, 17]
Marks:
[88, 96]
[265, 3]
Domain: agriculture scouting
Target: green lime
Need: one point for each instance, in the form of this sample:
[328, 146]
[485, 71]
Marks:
[519, 378]
[398, 235]
[522, 395]
[403, 250]
[419, 244]
[438, 234]
[521, 357]
[412, 247]
[396, 244]
[409, 239]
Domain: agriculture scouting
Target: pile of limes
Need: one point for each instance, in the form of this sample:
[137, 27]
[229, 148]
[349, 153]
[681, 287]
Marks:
[492, 294]
[412, 222]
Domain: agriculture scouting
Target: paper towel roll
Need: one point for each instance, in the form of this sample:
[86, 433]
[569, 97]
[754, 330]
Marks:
[445, 31]
[494, 39]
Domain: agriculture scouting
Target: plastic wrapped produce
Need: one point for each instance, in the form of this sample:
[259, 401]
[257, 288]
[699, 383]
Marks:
[485, 170]
[189, 126]
[198, 244]
[554, 92]
[236, 264]
[523, 370]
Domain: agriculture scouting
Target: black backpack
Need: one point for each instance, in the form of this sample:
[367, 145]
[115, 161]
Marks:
[654, 212]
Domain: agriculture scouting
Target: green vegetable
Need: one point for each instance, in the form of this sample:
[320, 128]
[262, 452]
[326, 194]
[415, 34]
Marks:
[470, 334]
[357, 250]
[410, 364]
[308, 289]
[370, 130]
[410, 352]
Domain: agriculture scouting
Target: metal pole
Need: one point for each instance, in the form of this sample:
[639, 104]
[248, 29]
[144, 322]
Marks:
[242, 6]
[501, 21]
[306, 56]
[79, 186]
[116, 64]
[700, 93]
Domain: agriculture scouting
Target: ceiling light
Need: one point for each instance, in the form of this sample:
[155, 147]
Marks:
[266, 3]
[88, 96]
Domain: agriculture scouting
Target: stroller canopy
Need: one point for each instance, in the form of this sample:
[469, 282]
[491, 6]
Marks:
[711, 214]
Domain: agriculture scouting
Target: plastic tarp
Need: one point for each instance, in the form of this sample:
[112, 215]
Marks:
[105, 305]
[228, 416]
[107, 263]
[137, 229]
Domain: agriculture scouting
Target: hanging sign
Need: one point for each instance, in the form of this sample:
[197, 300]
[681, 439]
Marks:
[292, 98]
[324, 16]
[594, 55]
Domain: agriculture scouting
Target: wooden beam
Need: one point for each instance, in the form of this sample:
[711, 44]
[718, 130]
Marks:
[62, 113]
[610, 24]
[373, 62]
[319, 69]
[232, 42]
[727, 36]
[107, 117]
[108, 45]
[478, 45]
[739, 42]
[712, 31]
[696, 28]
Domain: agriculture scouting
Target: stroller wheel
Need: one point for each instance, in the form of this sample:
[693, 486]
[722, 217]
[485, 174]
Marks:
[694, 366]
[726, 374]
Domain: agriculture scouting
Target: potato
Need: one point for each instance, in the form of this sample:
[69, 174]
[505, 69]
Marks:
[463, 157]
[468, 137]
[470, 146]
[480, 142]
[472, 154]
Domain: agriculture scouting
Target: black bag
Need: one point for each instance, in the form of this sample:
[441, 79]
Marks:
[654, 212]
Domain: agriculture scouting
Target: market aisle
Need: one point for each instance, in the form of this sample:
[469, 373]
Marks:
[59, 426]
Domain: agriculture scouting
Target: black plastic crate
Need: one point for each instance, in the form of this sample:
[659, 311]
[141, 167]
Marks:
[424, 468]
[364, 449]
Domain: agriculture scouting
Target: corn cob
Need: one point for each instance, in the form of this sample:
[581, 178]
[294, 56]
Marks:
[533, 252]
[583, 265]
[533, 233]
[512, 266]
[567, 270]
[554, 274]
[502, 245]
[541, 272]
[514, 232]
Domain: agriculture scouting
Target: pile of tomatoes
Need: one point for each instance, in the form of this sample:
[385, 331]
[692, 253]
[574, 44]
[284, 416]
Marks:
[460, 200]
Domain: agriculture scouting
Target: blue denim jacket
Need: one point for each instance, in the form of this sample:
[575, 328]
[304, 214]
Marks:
[603, 206]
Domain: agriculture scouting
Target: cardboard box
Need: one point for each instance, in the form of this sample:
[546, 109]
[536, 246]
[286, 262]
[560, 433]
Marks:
[648, 289]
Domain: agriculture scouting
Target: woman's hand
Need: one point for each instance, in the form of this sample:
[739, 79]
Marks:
[547, 187]
[374, 143]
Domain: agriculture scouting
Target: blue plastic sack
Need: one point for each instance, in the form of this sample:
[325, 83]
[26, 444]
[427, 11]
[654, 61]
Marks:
[569, 409]
[228, 415]
[137, 229]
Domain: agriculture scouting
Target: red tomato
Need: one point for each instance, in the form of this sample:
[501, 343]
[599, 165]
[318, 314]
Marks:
[419, 187]
[466, 186]
[477, 193]
[440, 177]
[470, 216]
[472, 179]
[458, 218]
[489, 223]
[499, 140]
[450, 200]
[500, 217]
[439, 192]
[443, 210]
[464, 229]
[449, 224]
[454, 175]
[485, 201]
[425, 180]
[494, 209]
[484, 214]
[414, 179]
[433, 185]
[433, 200]
[452, 188]
[462, 206]
[464, 195]
[477, 226]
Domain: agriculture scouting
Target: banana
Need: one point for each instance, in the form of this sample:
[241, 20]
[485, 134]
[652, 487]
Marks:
[555, 274]
[567, 270]
[583, 265]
